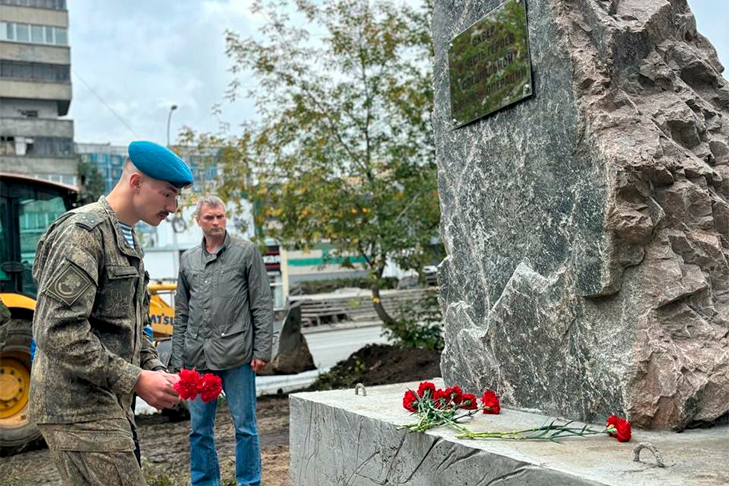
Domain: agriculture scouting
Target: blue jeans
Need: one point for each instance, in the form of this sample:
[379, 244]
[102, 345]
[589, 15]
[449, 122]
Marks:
[239, 385]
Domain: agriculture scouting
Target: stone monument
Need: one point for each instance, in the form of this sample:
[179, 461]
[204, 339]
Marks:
[587, 224]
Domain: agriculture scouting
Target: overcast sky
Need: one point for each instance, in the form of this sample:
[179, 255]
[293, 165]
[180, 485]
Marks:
[133, 59]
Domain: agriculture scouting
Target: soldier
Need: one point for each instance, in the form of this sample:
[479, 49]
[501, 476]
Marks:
[92, 354]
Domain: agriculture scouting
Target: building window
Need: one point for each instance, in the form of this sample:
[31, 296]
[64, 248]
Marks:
[33, 34]
[35, 70]
[22, 33]
[61, 37]
[8, 30]
[51, 4]
[36, 146]
[37, 34]
[7, 145]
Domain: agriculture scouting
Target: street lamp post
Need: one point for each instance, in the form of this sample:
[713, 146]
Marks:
[169, 117]
[176, 257]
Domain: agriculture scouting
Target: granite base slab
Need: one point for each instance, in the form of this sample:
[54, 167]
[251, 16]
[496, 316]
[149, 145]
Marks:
[339, 438]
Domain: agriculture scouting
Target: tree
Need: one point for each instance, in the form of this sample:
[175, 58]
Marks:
[92, 182]
[343, 150]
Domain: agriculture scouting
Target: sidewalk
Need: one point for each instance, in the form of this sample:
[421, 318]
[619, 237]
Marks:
[340, 326]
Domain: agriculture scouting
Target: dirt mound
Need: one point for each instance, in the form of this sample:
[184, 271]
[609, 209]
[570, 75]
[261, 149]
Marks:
[380, 364]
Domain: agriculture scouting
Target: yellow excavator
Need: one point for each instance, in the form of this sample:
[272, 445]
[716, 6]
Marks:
[27, 207]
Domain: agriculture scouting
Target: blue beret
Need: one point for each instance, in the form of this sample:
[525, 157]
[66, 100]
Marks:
[160, 163]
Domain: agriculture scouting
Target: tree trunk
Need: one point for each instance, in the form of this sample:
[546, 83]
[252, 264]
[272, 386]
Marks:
[379, 308]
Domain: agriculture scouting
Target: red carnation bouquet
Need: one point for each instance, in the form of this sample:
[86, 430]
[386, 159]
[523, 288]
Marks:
[436, 407]
[191, 384]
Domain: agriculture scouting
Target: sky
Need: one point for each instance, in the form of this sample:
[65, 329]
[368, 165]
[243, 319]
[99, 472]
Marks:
[132, 60]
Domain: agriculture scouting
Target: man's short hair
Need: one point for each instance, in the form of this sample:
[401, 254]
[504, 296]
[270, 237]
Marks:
[209, 200]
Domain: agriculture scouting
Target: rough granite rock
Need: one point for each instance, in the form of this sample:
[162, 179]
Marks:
[587, 227]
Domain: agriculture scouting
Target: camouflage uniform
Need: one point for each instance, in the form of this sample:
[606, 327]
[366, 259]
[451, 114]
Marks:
[88, 327]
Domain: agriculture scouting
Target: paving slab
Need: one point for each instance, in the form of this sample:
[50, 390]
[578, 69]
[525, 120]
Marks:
[339, 438]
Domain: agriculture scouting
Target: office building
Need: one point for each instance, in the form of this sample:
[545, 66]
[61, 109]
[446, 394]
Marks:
[35, 90]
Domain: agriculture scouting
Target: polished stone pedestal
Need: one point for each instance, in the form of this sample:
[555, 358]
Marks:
[339, 438]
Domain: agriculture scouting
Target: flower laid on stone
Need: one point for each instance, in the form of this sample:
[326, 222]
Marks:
[191, 384]
[436, 407]
[619, 428]
[444, 407]
[490, 402]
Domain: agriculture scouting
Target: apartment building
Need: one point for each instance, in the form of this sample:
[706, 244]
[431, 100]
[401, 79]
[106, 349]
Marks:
[35, 90]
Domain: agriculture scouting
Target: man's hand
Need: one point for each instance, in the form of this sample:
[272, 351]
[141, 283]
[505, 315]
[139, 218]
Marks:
[258, 364]
[171, 377]
[155, 388]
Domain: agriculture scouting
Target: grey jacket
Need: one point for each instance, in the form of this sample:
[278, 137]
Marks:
[223, 308]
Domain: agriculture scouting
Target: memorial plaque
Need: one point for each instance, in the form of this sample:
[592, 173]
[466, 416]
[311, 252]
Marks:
[489, 64]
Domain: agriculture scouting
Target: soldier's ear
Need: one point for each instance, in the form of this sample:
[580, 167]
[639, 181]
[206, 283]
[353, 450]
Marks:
[135, 181]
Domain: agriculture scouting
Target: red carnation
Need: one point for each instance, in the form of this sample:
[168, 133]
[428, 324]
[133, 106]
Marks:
[490, 402]
[410, 401]
[440, 398]
[454, 393]
[210, 387]
[619, 428]
[188, 385]
[426, 386]
[468, 401]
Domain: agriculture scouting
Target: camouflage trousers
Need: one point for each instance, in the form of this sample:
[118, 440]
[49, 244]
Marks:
[94, 453]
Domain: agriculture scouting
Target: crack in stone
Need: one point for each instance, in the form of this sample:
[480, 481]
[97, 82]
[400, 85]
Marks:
[517, 472]
[432, 446]
[469, 455]
[305, 464]
[359, 468]
[394, 458]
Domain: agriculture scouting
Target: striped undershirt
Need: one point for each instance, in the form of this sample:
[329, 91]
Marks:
[127, 232]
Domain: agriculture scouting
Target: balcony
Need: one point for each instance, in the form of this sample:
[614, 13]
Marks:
[37, 90]
[15, 51]
[38, 16]
[33, 166]
[36, 127]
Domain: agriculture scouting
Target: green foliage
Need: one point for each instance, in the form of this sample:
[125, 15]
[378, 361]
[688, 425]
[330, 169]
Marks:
[343, 150]
[419, 327]
[92, 182]
[340, 377]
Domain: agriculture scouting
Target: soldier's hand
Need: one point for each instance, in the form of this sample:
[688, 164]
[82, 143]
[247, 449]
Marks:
[258, 365]
[171, 377]
[156, 389]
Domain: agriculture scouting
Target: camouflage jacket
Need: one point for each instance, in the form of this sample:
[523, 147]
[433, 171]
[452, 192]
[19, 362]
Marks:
[223, 308]
[88, 326]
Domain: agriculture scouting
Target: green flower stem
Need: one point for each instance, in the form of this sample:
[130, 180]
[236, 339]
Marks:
[549, 432]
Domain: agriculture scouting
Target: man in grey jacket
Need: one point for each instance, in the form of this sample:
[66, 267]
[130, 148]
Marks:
[223, 325]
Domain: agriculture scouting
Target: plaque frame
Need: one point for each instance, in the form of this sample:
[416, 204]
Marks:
[489, 64]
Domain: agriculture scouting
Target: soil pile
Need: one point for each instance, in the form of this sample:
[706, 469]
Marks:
[380, 364]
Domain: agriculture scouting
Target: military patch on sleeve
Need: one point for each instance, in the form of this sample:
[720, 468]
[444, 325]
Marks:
[69, 283]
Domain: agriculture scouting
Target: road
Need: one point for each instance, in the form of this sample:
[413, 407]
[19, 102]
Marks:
[327, 348]
[330, 347]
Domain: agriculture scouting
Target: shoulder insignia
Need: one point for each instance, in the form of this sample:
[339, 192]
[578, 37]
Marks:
[69, 283]
[87, 220]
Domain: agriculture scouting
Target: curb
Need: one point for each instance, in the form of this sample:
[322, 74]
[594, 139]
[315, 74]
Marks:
[340, 327]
